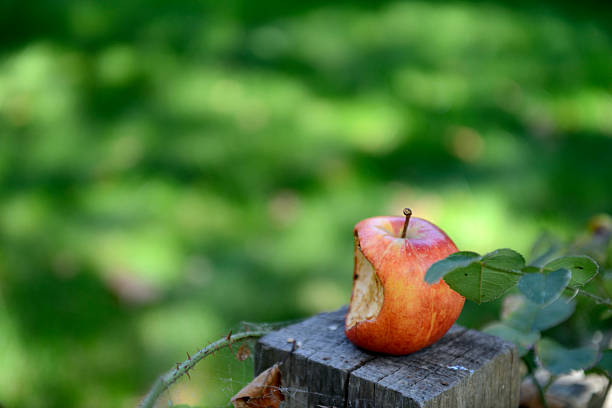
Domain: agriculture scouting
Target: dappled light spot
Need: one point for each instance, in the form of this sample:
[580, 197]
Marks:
[284, 207]
[117, 65]
[317, 295]
[424, 204]
[466, 143]
[433, 90]
[132, 290]
[269, 42]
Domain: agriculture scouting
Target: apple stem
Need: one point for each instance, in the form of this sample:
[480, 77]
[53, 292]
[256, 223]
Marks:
[407, 213]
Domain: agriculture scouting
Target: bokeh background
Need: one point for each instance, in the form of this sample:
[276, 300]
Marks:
[168, 169]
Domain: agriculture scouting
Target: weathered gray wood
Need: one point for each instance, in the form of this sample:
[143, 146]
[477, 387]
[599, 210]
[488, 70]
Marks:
[465, 368]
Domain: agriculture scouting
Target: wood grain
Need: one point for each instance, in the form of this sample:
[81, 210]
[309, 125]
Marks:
[465, 368]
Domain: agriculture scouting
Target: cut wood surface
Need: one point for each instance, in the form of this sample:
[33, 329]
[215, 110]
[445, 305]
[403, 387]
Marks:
[465, 368]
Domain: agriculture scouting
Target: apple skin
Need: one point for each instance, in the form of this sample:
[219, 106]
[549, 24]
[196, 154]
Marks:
[413, 314]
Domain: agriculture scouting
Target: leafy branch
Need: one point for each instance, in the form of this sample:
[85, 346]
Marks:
[483, 278]
[167, 379]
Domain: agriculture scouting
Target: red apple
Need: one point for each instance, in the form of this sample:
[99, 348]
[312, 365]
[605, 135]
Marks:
[393, 310]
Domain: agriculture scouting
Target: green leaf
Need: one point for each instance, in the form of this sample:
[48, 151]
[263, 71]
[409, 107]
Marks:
[605, 363]
[480, 279]
[543, 249]
[444, 266]
[552, 314]
[479, 283]
[531, 317]
[582, 267]
[523, 341]
[504, 259]
[560, 360]
[543, 288]
[531, 269]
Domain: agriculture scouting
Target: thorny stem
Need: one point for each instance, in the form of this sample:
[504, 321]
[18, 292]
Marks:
[571, 288]
[166, 380]
[407, 213]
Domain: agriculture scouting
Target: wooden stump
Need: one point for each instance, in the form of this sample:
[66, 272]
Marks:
[465, 368]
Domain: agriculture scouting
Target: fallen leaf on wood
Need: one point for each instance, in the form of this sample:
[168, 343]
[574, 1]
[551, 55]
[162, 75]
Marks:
[243, 353]
[263, 392]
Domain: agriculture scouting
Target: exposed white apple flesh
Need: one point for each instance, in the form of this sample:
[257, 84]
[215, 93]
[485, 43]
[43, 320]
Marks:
[367, 297]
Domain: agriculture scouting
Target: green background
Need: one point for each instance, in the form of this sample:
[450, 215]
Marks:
[168, 169]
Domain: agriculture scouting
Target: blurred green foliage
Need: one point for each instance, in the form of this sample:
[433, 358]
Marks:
[170, 168]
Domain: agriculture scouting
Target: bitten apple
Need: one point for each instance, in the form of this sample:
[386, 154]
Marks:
[393, 310]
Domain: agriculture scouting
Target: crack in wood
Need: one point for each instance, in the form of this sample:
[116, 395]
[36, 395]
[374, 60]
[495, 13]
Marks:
[348, 379]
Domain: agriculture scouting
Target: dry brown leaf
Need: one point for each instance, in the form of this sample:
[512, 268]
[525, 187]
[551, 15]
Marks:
[243, 352]
[263, 392]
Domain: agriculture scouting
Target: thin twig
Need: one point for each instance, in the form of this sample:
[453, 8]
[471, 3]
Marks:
[550, 382]
[540, 389]
[531, 371]
[596, 298]
[166, 380]
[602, 285]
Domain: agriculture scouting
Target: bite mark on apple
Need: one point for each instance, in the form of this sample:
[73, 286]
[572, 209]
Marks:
[367, 297]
